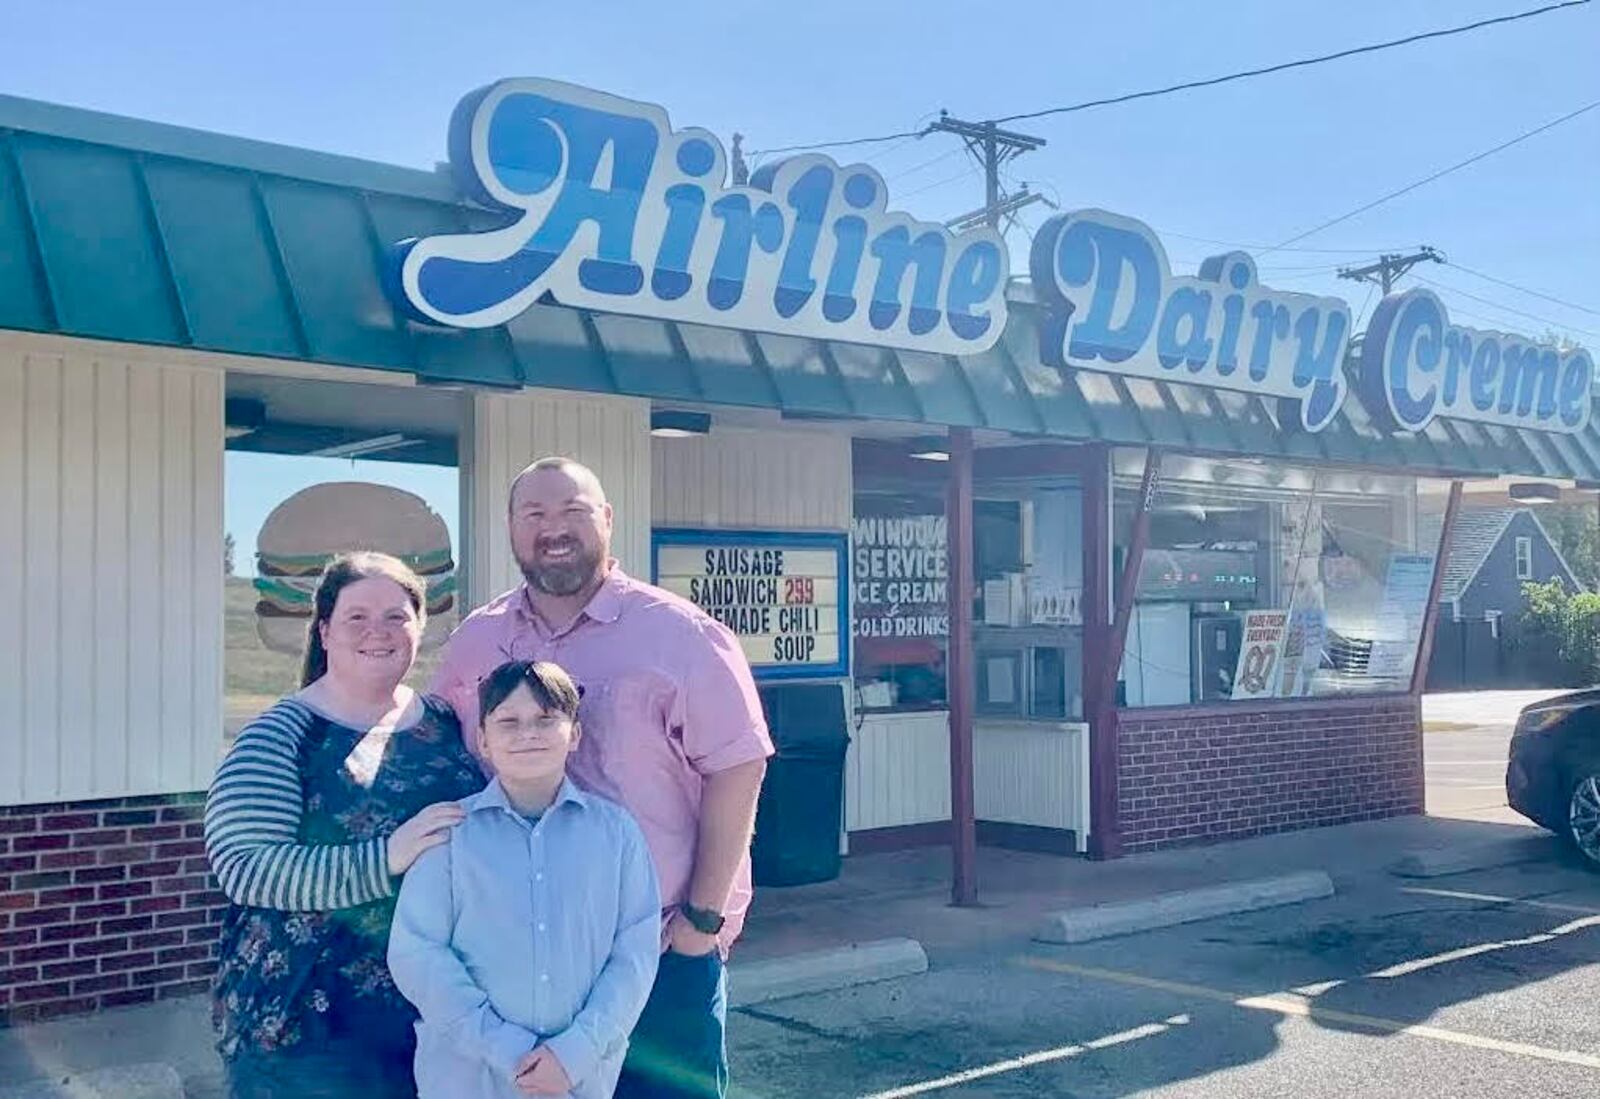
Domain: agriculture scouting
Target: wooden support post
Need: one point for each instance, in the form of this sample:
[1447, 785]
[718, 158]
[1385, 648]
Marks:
[960, 678]
[1099, 702]
[1430, 618]
[1133, 562]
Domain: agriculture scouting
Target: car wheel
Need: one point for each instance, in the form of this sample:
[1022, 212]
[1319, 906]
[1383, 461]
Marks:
[1583, 816]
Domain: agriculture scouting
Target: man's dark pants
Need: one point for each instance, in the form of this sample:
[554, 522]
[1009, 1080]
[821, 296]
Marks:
[679, 1049]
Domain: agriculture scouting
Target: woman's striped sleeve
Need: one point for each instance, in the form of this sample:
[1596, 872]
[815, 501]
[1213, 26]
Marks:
[253, 829]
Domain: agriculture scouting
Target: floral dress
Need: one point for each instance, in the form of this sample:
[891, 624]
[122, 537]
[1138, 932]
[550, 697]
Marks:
[303, 943]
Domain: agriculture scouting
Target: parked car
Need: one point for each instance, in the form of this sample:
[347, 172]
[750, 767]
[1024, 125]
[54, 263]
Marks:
[1553, 776]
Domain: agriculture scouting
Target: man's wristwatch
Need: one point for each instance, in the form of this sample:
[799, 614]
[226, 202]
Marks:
[703, 920]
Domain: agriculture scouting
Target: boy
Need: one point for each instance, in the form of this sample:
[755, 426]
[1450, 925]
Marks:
[529, 941]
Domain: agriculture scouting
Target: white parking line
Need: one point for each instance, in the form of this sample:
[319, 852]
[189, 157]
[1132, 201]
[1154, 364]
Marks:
[1028, 1060]
[1495, 898]
[1288, 1004]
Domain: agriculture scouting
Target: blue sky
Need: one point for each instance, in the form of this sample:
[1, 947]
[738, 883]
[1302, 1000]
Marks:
[1252, 162]
[257, 483]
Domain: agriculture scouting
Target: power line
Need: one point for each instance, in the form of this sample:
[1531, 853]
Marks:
[1270, 247]
[846, 144]
[1193, 84]
[1366, 301]
[1525, 290]
[930, 162]
[966, 171]
[1302, 63]
[1506, 308]
[1440, 174]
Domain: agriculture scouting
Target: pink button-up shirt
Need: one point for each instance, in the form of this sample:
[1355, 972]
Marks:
[667, 699]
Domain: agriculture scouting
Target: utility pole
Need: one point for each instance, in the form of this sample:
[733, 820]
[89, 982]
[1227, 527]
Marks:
[992, 147]
[1390, 266]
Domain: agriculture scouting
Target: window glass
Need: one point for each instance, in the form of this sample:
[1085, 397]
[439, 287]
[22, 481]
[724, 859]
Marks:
[285, 516]
[900, 572]
[1261, 582]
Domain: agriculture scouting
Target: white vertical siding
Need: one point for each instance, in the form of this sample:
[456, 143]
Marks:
[111, 492]
[1032, 773]
[898, 771]
[13, 551]
[611, 435]
[736, 478]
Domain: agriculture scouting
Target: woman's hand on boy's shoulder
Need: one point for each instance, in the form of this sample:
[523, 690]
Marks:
[540, 1072]
[423, 832]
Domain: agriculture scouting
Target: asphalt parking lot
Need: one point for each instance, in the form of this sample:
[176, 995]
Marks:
[1474, 985]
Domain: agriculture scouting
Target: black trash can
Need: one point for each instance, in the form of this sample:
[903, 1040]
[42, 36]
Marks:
[802, 801]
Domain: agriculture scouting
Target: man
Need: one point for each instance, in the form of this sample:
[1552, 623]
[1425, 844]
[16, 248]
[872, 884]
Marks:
[673, 729]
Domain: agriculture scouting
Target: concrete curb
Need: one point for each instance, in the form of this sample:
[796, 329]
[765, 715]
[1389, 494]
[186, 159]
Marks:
[824, 970]
[1102, 921]
[1436, 862]
[149, 1081]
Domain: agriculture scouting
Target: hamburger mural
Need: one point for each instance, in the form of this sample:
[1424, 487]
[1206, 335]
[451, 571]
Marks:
[307, 530]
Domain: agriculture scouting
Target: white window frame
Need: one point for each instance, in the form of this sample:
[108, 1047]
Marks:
[1524, 558]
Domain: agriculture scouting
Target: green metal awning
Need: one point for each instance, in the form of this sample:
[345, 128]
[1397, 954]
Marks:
[116, 229]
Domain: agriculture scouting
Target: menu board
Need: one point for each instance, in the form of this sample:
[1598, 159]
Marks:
[783, 595]
[1398, 630]
[902, 572]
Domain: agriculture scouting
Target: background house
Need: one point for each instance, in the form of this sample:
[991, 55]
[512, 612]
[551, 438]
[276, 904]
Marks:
[1493, 552]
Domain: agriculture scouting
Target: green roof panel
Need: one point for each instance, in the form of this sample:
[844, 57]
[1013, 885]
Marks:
[806, 381]
[644, 358]
[554, 349]
[729, 367]
[1060, 405]
[876, 389]
[943, 391]
[333, 257]
[442, 354]
[24, 297]
[107, 271]
[234, 296]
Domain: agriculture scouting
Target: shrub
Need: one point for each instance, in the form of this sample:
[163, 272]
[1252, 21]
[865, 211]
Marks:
[1560, 633]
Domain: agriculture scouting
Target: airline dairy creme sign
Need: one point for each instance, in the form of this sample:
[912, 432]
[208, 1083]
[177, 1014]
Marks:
[1111, 303]
[608, 207]
[605, 206]
[784, 595]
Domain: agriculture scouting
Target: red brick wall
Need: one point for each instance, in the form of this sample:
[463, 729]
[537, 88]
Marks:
[104, 903]
[1234, 771]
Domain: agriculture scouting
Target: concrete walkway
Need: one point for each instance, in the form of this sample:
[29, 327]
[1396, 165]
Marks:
[907, 893]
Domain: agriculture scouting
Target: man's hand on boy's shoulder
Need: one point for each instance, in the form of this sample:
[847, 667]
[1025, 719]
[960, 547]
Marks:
[540, 1072]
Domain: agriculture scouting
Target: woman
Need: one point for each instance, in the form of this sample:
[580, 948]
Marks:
[324, 801]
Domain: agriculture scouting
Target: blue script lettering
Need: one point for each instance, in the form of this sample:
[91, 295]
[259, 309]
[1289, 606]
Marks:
[1416, 365]
[1111, 303]
[610, 208]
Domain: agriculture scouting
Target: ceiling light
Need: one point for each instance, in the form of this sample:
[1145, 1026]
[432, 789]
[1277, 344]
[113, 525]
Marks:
[673, 424]
[1534, 492]
[364, 446]
[241, 416]
[932, 455]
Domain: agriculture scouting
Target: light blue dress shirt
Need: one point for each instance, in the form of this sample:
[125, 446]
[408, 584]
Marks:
[516, 933]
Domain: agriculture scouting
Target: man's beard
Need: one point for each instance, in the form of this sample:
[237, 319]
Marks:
[565, 578]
